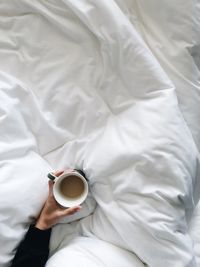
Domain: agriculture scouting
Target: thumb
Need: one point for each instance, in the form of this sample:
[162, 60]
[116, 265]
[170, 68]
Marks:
[69, 211]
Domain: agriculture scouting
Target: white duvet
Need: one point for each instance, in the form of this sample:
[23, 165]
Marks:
[94, 85]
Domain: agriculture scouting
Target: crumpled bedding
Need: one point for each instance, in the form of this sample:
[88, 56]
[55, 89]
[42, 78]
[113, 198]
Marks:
[110, 87]
[194, 232]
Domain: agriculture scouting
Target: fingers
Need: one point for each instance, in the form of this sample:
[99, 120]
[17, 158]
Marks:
[69, 211]
[69, 170]
[58, 173]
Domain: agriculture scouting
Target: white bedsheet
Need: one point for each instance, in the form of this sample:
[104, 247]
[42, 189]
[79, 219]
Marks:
[94, 85]
[194, 231]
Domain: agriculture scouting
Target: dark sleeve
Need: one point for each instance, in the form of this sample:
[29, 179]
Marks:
[33, 251]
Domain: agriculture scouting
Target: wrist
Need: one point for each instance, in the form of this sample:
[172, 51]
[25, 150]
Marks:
[41, 225]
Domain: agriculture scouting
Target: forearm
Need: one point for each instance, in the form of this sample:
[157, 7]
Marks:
[34, 249]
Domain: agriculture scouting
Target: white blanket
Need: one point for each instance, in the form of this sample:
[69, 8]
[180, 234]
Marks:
[194, 231]
[84, 84]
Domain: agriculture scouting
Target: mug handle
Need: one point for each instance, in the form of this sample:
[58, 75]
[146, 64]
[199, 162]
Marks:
[81, 173]
[51, 176]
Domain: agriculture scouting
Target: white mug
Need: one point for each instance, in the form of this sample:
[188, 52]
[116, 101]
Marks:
[63, 180]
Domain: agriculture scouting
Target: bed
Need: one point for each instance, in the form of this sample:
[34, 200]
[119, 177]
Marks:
[110, 87]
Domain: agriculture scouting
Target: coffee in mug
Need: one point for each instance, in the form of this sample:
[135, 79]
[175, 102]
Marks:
[70, 188]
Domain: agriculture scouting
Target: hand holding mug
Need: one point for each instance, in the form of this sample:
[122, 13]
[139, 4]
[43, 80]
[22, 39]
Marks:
[52, 212]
